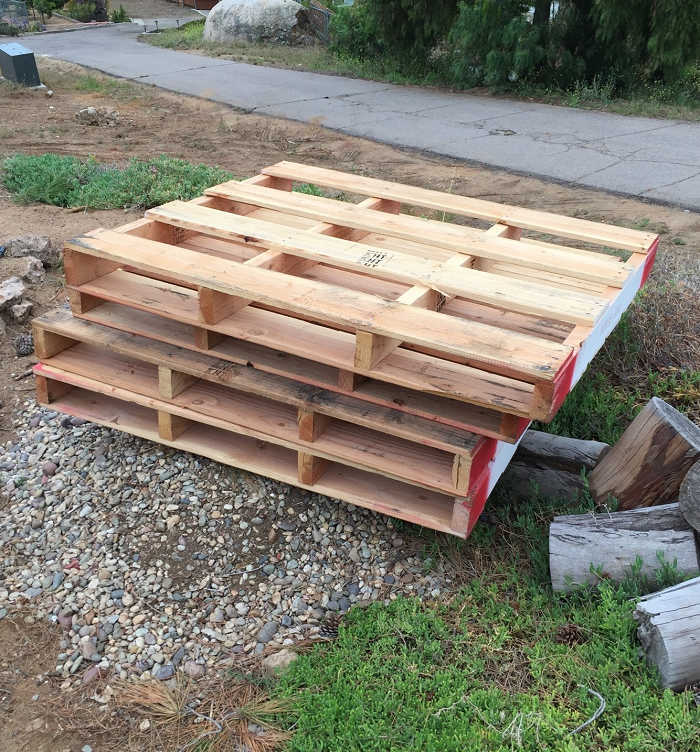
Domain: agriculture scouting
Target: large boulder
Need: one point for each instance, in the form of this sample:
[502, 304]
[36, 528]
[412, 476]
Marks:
[252, 21]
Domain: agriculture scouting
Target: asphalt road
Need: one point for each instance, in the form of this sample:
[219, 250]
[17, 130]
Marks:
[641, 157]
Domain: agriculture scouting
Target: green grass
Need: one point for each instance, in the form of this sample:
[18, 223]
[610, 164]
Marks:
[70, 182]
[651, 101]
[488, 671]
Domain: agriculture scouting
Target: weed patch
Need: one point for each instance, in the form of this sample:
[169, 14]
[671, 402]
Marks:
[70, 182]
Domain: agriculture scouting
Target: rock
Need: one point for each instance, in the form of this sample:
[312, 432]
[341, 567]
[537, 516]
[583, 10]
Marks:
[91, 674]
[102, 116]
[193, 670]
[11, 291]
[3, 331]
[49, 468]
[354, 555]
[20, 312]
[178, 656]
[38, 246]
[277, 663]
[128, 599]
[167, 672]
[28, 269]
[254, 21]
[88, 648]
[267, 632]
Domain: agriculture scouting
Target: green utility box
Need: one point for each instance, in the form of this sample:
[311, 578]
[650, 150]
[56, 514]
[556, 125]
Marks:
[17, 64]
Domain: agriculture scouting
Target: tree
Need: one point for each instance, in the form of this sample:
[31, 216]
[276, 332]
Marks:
[657, 38]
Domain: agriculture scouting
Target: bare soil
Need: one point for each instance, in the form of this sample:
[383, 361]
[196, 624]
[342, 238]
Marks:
[151, 123]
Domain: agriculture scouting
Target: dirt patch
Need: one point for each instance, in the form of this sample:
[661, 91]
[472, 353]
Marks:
[151, 123]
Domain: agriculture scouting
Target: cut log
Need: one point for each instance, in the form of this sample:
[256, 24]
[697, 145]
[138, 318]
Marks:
[553, 463]
[689, 497]
[648, 464]
[668, 630]
[560, 452]
[614, 541]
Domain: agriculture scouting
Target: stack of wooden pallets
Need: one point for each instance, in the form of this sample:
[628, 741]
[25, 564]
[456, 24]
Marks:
[377, 357]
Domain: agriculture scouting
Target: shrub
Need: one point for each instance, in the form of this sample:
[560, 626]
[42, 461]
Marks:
[120, 16]
[6, 30]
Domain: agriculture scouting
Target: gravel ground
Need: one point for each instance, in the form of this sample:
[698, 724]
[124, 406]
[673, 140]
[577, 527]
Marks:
[156, 561]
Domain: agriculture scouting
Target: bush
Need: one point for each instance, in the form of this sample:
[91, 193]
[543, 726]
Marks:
[70, 182]
[120, 16]
[6, 30]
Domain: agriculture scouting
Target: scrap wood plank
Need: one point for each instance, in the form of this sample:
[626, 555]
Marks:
[58, 330]
[596, 267]
[567, 227]
[525, 297]
[257, 344]
[412, 370]
[384, 495]
[500, 351]
[89, 368]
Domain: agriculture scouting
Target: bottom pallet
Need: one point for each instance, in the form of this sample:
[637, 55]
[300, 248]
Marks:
[394, 498]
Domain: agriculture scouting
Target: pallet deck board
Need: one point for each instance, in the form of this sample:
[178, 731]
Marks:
[524, 297]
[568, 227]
[444, 236]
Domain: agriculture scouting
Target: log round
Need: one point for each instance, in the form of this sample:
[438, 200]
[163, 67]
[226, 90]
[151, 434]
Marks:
[648, 464]
[553, 463]
[689, 497]
[668, 630]
[614, 541]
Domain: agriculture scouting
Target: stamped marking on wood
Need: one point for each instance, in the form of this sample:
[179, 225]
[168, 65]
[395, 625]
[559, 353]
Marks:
[222, 370]
[374, 259]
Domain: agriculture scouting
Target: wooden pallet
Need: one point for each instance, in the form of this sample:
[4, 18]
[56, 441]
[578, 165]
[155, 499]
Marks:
[378, 357]
[489, 317]
[308, 419]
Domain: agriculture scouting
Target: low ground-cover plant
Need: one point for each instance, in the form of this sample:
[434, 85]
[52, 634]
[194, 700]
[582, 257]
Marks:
[505, 665]
[70, 182]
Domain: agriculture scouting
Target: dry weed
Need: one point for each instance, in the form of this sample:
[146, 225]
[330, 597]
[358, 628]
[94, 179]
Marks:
[225, 713]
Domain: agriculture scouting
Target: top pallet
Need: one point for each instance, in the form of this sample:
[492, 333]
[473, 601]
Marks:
[506, 318]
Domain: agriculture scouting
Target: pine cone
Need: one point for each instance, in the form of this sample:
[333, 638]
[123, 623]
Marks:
[329, 629]
[24, 344]
[570, 634]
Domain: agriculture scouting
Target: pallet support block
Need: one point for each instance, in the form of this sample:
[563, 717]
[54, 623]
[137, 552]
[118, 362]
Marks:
[171, 427]
[215, 306]
[311, 468]
[48, 343]
[205, 339]
[171, 383]
[312, 424]
[49, 390]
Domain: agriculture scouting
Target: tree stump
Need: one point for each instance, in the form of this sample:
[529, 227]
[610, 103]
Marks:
[668, 630]
[613, 542]
[648, 464]
[689, 497]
